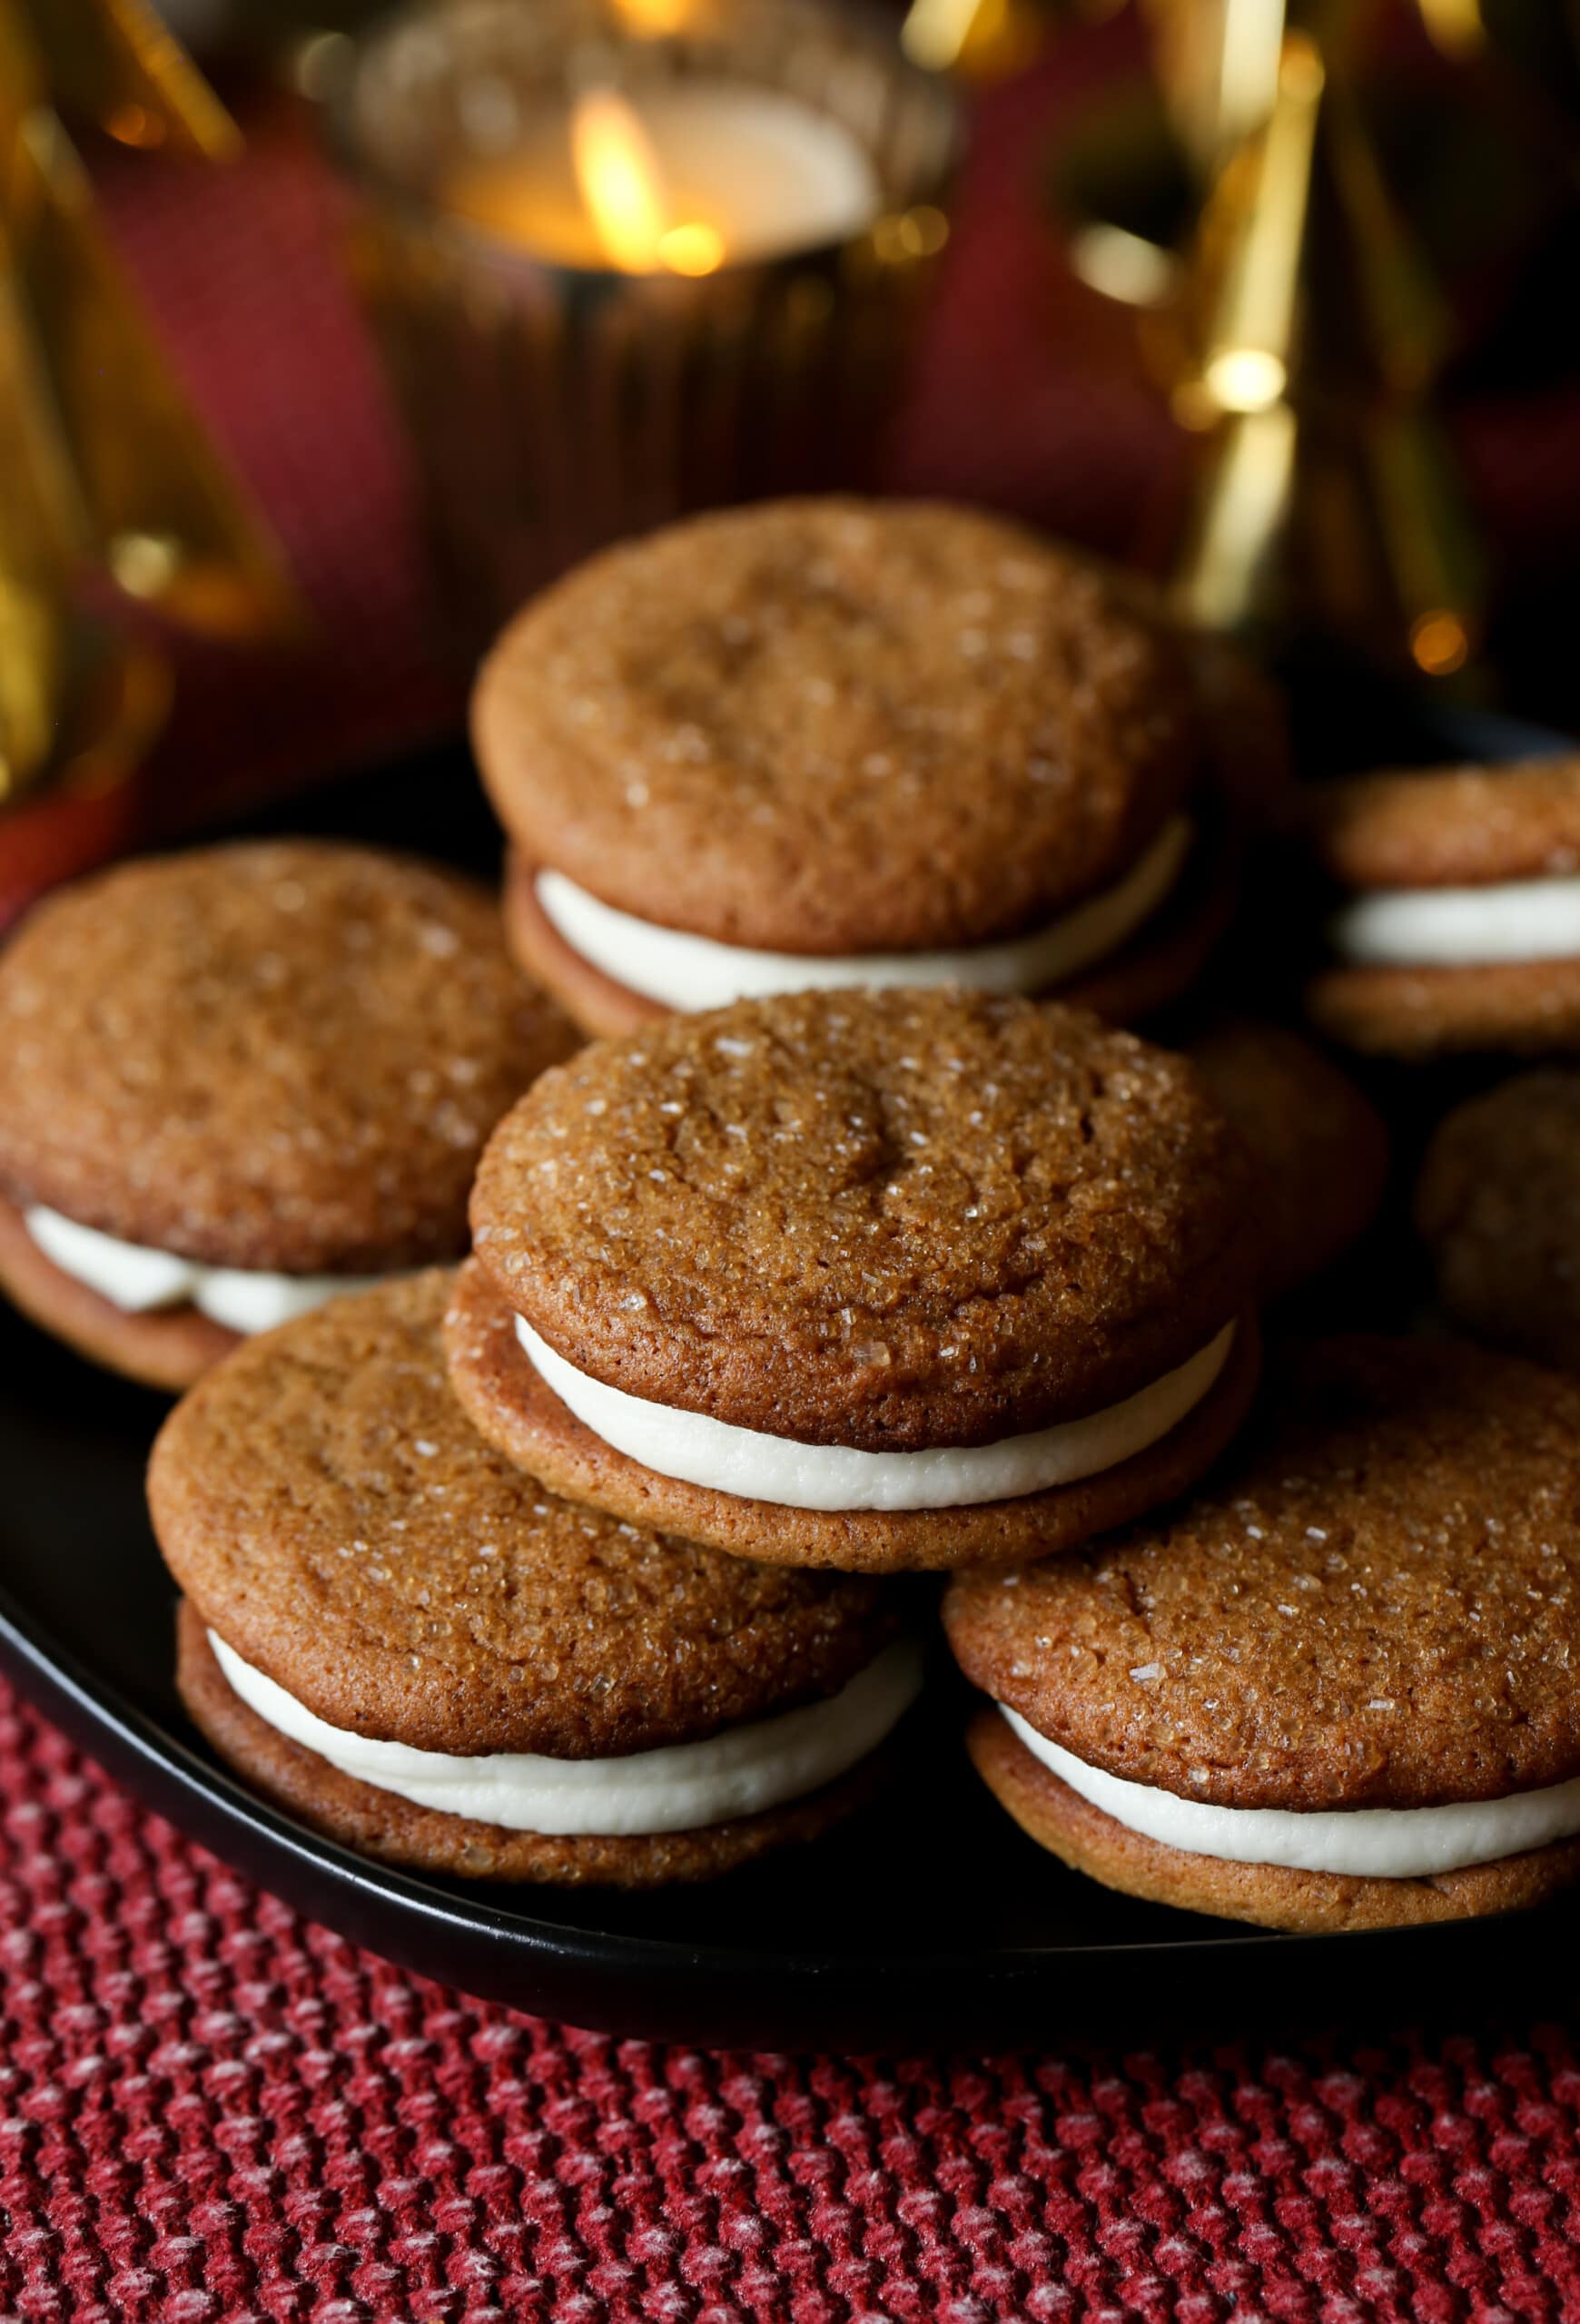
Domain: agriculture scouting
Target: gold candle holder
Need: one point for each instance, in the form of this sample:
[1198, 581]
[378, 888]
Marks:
[722, 314]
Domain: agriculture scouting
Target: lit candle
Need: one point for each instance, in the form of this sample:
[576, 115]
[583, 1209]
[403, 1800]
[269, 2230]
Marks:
[681, 177]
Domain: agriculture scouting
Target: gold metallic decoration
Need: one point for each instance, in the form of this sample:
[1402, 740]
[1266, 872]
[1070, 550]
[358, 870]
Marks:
[106, 463]
[1456, 26]
[161, 511]
[1295, 326]
[1326, 500]
[1218, 64]
[117, 62]
[981, 40]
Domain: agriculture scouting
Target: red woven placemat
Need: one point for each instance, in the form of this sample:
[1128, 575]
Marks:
[212, 2111]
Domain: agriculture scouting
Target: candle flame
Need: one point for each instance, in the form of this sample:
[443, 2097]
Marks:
[654, 19]
[693, 249]
[621, 182]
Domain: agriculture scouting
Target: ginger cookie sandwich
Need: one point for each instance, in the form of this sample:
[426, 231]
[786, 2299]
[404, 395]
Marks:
[1459, 927]
[237, 1081]
[1337, 1689]
[830, 742]
[399, 1636]
[868, 1280]
[1497, 1205]
[1320, 1143]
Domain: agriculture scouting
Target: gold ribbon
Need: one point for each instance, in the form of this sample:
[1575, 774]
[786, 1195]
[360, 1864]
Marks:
[108, 463]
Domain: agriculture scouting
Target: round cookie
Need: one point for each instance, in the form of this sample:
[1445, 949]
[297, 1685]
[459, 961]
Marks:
[333, 1520]
[1335, 1691]
[1163, 960]
[1460, 928]
[836, 741]
[1498, 1206]
[273, 1062]
[517, 1410]
[1321, 1143]
[1270, 1896]
[164, 1348]
[866, 1278]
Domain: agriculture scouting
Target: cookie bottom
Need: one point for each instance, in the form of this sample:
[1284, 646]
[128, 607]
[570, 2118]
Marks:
[424, 1839]
[511, 1403]
[1160, 962]
[1271, 1895]
[1523, 1007]
[164, 1347]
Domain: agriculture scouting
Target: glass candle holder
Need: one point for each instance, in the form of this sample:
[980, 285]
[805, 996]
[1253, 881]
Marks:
[625, 263]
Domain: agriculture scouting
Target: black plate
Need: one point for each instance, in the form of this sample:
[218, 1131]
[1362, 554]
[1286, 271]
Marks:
[930, 1922]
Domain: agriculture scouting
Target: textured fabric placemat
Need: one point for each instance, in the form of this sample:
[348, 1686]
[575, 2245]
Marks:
[211, 2111]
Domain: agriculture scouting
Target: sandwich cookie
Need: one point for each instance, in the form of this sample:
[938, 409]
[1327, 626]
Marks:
[1321, 1144]
[1460, 924]
[1498, 1207]
[867, 1280]
[828, 742]
[1338, 1689]
[414, 1646]
[237, 1081]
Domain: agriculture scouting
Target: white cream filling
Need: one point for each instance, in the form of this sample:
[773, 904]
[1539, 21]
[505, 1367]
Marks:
[697, 1450]
[680, 1787]
[137, 1279]
[689, 972]
[1369, 1843]
[1453, 928]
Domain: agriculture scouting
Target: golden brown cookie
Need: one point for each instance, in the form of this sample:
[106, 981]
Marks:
[279, 1058]
[1157, 964]
[1450, 827]
[834, 730]
[1498, 1206]
[1457, 927]
[330, 1515]
[1515, 1007]
[805, 1234]
[1321, 1143]
[426, 1839]
[1269, 1894]
[516, 1409]
[831, 725]
[887, 1220]
[1373, 1608]
[167, 1348]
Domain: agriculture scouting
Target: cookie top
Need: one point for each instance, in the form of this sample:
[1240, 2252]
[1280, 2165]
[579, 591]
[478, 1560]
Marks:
[1449, 827]
[890, 1220]
[1376, 1606]
[1321, 1144]
[832, 725]
[1498, 1205]
[280, 1055]
[322, 1501]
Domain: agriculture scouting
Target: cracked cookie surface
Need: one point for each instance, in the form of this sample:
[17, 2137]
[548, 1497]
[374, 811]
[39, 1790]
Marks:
[837, 725]
[888, 1220]
[1375, 1603]
[325, 1505]
[278, 1054]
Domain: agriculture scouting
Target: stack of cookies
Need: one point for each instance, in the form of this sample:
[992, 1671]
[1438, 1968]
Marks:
[767, 1306]
[1454, 943]
[860, 1242]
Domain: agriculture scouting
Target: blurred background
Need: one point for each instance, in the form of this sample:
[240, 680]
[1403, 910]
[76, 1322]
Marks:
[327, 334]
